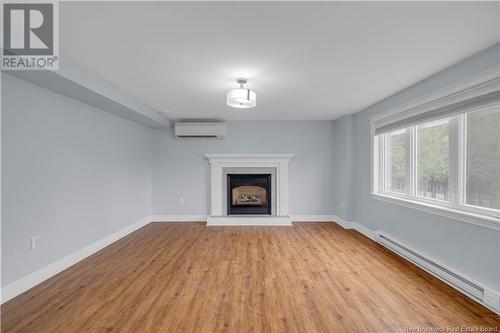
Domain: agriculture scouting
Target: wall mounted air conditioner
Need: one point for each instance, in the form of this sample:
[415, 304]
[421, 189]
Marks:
[200, 130]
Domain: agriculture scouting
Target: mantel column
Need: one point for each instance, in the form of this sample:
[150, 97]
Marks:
[282, 185]
[215, 191]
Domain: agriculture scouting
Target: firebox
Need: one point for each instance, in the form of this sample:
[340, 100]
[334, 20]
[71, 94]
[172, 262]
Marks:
[248, 194]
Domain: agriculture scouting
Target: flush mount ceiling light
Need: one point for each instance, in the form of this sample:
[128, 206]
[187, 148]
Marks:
[241, 98]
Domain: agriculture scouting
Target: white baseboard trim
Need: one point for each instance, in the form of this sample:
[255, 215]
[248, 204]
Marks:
[204, 218]
[179, 218]
[343, 223]
[29, 281]
[491, 298]
[313, 218]
[363, 230]
[356, 226]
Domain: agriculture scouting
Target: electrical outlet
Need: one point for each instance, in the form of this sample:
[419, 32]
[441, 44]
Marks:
[181, 201]
[369, 213]
[35, 242]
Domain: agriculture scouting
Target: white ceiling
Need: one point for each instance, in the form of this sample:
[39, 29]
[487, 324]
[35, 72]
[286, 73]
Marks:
[305, 60]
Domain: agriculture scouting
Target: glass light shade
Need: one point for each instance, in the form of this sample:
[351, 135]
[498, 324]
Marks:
[241, 98]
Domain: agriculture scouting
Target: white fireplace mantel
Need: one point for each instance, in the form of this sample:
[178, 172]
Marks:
[218, 193]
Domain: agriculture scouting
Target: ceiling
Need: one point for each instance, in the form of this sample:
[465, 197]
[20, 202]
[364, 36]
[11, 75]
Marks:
[305, 60]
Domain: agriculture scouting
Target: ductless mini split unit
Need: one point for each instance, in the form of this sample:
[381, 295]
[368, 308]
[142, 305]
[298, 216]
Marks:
[200, 130]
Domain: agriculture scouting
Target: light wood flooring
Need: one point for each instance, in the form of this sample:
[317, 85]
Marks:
[186, 277]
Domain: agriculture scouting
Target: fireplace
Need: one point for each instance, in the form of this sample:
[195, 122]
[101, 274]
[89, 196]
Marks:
[274, 166]
[249, 194]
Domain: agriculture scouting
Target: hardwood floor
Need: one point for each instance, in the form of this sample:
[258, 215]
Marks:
[186, 277]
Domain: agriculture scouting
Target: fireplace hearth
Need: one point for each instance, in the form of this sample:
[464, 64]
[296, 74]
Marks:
[249, 194]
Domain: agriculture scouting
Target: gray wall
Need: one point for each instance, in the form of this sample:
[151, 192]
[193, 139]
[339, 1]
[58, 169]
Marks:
[180, 170]
[71, 174]
[342, 145]
[470, 249]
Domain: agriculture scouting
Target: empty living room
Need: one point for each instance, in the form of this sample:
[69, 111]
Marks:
[250, 166]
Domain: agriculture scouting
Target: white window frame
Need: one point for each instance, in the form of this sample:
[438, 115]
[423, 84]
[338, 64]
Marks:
[456, 207]
[385, 175]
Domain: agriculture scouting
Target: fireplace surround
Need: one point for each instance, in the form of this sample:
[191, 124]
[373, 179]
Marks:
[275, 165]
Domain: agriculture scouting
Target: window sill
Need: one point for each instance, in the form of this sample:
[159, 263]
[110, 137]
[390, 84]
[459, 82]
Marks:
[464, 216]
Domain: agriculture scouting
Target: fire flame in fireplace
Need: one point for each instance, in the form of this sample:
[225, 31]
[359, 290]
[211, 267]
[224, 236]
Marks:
[249, 195]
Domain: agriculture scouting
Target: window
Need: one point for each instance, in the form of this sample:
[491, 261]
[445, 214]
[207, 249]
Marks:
[483, 158]
[433, 160]
[396, 161]
[451, 163]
